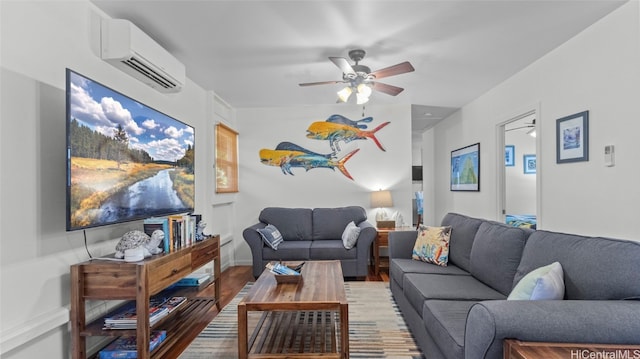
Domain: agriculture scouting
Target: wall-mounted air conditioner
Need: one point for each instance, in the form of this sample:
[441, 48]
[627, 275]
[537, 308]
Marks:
[126, 47]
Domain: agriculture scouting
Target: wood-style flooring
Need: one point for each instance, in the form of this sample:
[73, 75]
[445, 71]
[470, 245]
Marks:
[232, 280]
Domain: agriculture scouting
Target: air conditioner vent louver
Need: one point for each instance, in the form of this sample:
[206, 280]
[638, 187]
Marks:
[149, 73]
[128, 48]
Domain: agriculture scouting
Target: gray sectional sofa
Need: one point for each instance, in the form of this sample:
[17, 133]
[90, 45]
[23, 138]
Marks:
[312, 234]
[461, 310]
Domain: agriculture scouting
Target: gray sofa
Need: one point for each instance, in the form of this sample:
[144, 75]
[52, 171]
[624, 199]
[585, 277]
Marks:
[312, 234]
[461, 311]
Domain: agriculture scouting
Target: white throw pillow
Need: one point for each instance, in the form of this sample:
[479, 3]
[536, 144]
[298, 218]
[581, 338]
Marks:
[350, 235]
[544, 283]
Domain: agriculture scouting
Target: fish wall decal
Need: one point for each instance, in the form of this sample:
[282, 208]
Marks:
[345, 121]
[335, 132]
[287, 155]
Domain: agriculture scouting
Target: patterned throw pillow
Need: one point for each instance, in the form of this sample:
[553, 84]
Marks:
[350, 235]
[271, 236]
[432, 245]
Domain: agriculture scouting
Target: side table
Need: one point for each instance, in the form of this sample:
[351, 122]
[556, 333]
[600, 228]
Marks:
[382, 241]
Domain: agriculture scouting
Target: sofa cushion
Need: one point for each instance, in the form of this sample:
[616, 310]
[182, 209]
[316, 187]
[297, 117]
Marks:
[329, 223]
[418, 287]
[496, 253]
[398, 267]
[270, 235]
[288, 251]
[463, 231]
[326, 250]
[544, 283]
[594, 267]
[350, 235]
[432, 245]
[445, 321]
[293, 223]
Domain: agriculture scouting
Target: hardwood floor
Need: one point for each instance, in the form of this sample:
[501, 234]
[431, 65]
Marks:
[233, 279]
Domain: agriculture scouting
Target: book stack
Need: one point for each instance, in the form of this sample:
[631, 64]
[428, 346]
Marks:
[193, 280]
[126, 348]
[159, 307]
[179, 230]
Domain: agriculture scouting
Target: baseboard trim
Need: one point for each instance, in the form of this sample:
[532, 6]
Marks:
[24, 333]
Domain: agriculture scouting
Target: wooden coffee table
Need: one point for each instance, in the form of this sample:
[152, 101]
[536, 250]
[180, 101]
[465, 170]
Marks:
[299, 320]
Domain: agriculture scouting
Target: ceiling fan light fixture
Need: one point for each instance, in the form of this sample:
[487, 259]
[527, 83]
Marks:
[361, 99]
[364, 90]
[362, 96]
[343, 95]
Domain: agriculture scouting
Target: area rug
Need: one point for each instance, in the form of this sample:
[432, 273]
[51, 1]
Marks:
[376, 327]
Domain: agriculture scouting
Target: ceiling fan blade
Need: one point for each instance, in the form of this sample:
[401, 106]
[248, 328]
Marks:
[388, 89]
[320, 83]
[343, 64]
[398, 69]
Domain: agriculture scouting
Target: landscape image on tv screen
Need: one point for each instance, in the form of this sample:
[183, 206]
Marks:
[125, 161]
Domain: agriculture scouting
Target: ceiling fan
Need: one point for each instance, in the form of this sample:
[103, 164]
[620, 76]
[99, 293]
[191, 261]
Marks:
[531, 125]
[361, 79]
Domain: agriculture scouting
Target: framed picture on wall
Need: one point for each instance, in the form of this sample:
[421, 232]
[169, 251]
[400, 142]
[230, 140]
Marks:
[509, 155]
[572, 138]
[529, 163]
[465, 168]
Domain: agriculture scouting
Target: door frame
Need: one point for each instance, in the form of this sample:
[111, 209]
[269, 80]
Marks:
[501, 190]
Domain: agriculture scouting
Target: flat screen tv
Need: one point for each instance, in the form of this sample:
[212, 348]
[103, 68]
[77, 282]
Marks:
[125, 160]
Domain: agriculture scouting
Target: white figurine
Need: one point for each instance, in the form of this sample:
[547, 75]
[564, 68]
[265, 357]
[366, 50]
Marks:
[200, 231]
[137, 245]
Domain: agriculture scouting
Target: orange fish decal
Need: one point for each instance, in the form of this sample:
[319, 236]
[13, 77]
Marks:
[335, 132]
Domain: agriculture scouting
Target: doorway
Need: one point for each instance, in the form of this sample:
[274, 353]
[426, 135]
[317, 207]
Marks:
[518, 176]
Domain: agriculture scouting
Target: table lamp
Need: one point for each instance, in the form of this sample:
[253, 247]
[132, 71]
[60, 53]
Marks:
[381, 200]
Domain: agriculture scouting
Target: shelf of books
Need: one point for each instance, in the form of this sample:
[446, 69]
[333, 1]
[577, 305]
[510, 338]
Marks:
[163, 308]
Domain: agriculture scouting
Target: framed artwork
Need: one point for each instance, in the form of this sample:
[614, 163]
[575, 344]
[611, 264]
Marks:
[572, 138]
[529, 163]
[509, 153]
[465, 168]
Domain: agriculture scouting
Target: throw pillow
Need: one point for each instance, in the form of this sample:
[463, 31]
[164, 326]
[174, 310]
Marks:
[432, 245]
[544, 283]
[350, 235]
[271, 236]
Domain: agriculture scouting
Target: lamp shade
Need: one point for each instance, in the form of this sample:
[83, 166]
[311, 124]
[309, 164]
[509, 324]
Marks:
[381, 199]
[343, 95]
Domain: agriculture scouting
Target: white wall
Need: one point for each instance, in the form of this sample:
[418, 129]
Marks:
[598, 70]
[372, 169]
[39, 40]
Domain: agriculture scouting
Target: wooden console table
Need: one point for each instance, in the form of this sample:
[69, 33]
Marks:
[516, 349]
[100, 279]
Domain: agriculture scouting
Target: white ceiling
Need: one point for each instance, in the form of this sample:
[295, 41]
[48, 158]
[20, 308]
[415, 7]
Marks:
[255, 53]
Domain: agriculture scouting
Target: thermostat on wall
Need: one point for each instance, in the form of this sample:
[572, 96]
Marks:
[609, 156]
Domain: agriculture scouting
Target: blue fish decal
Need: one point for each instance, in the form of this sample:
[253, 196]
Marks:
[288, 155]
